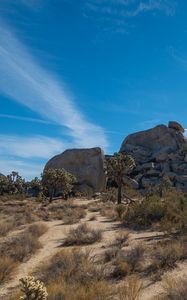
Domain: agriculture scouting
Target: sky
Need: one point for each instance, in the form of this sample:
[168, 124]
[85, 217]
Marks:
[86, 73]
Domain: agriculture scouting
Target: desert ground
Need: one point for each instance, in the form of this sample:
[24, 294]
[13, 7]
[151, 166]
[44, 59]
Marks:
[53, 223]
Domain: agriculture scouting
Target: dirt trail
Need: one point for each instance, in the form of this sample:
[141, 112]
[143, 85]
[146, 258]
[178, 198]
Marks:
[51, 242]
[53, 238]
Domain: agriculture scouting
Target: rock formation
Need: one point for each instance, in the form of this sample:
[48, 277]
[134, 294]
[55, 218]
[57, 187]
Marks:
[160, 151]
[86, 164]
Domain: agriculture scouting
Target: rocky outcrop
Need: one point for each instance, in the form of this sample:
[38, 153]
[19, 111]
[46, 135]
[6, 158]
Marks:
[160, 151]
[176, 126]
[86, 164]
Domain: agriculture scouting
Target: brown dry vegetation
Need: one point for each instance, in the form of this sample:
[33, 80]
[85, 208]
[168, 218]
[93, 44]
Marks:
[18, 249]
[72, 275]
[75, 274]
[174, 288]
[82, 235]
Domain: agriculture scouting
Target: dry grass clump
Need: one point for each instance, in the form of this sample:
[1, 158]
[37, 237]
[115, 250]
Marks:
[97, 291]
[166, 254]
[121, 240]
[15, 213]
[174, 288]
[22, 246]
[124, 262]
[7, 266]
[108, 211]
[66, 211]
[128, 262]
[111, 254]
[73, 275]
[19, 248]
[131, 289]
[36, 230]
[82, 235]
[73, 216]
[6, 225]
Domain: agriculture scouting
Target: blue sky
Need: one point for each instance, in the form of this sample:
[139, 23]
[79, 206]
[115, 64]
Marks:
[84, 73]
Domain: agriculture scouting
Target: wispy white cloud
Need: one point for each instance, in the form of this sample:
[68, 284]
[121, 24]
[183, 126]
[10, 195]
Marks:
[21, 118]
[31, 147]
[178, 56]
[131, 8]
[168, 7]
[25, 81]
[117, 15]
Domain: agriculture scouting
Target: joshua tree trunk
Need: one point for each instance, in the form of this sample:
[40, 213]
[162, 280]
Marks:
[51, 195]
[119, 194]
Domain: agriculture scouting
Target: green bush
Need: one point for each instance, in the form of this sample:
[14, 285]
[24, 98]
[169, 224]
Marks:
[169, 213]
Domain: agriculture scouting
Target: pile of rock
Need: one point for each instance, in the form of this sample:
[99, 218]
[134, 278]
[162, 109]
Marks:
[158, 152]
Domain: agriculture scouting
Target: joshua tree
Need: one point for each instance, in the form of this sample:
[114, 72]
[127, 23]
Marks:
[54, 179]
[3, 184]
[16, 184]
[119, 166]
[36, 186]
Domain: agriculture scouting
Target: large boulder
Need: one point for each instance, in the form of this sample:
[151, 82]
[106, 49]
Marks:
[147, 145]
[86, 164]
[159, 151]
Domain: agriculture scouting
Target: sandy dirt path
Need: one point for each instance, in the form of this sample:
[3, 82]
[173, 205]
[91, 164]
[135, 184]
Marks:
[52, 241]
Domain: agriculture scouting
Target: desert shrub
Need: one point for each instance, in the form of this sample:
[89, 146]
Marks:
[175, 217]
[66, 211]
[145, 213]
[166, 254]
[120, 209]
[7, 266]
[170, 213]
[82, 235]
[108, 211]
[124, 262]
[110, 195]
[36, 230]
[131, 289]
[32, 289]
[174, 288]
[72, 216]
[120, 240]
[111, 254]
[97, 291]
[18, 213]
[127, 262]
[6, 225]
[134, 257]
[73, 275]
[73, 266]
[20, 247]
